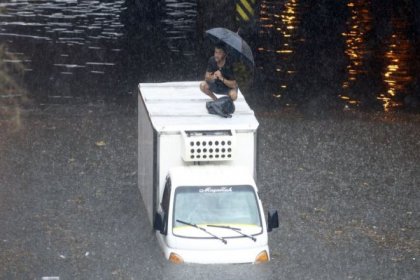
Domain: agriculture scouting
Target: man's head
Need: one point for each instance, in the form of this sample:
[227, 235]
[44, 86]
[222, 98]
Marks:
[219, 52]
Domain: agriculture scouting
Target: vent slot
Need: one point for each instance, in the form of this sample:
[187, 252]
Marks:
[208, 145]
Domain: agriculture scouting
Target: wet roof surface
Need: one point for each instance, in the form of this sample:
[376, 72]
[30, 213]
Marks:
[179, 106]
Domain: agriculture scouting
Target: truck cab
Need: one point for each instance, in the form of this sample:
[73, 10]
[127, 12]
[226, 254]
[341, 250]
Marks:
[197, 177]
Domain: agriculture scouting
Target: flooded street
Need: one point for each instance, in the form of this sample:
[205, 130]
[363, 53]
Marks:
[346, 189]
[336, 91]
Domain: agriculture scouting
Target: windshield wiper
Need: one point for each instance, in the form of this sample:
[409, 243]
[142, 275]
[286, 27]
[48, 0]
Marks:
[238, 230]
[203, 229]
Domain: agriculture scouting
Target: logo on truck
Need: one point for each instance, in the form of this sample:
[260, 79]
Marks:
[213, 190]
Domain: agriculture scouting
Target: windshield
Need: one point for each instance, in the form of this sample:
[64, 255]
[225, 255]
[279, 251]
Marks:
[228, 205]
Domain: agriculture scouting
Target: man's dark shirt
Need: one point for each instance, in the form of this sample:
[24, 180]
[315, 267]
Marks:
[227, 70]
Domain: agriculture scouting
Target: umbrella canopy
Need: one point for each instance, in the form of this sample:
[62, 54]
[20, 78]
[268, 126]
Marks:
[232, 40]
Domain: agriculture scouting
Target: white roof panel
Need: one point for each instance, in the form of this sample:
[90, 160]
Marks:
[177, 106]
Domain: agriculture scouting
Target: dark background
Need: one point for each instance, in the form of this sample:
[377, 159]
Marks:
[157, 41]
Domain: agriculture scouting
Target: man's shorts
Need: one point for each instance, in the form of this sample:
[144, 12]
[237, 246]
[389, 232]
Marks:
[218, 87]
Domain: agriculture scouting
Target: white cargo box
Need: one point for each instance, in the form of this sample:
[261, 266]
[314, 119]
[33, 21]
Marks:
[175, 129]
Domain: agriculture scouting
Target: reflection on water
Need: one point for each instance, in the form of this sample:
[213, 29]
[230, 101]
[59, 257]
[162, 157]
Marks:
[65, 22]
[180, 26]
[397, 74]
[278, 23]
[396, 59]
[358, 26]
[61, 43]
[94, 48]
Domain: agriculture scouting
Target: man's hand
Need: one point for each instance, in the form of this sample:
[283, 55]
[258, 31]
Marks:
[210, 76]
[218, 75]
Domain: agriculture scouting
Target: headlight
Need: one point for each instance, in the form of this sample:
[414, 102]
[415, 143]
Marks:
[175, 258]
[262, 257]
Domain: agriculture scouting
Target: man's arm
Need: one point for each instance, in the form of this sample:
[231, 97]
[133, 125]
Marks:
[229, 83]
[210, 70]
[209, 76]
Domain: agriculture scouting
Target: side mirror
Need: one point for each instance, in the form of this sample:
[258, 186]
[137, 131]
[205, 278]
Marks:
[272, 220]
[158, 223]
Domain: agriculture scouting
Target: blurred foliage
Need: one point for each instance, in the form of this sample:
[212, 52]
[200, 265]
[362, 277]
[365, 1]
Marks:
[12, 94]
[9, 65]
[244, 77]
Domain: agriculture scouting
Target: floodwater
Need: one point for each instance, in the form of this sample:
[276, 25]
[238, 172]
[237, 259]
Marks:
[363, 51]
[67, 48]
[358, 53]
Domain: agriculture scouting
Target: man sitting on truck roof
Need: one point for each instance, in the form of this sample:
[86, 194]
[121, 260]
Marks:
[219, 77]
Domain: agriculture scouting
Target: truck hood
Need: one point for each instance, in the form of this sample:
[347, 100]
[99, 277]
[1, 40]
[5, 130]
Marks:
[211, 175]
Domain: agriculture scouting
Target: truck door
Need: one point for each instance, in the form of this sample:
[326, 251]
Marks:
[165, 204]
[160, 222]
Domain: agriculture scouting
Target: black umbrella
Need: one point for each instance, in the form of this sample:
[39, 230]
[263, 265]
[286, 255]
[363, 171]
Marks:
[232, 40]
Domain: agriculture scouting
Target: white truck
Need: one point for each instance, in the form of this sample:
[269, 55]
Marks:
[196, 175]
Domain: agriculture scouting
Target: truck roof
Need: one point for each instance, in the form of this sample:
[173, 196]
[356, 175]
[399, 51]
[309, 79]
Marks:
[179, 106]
